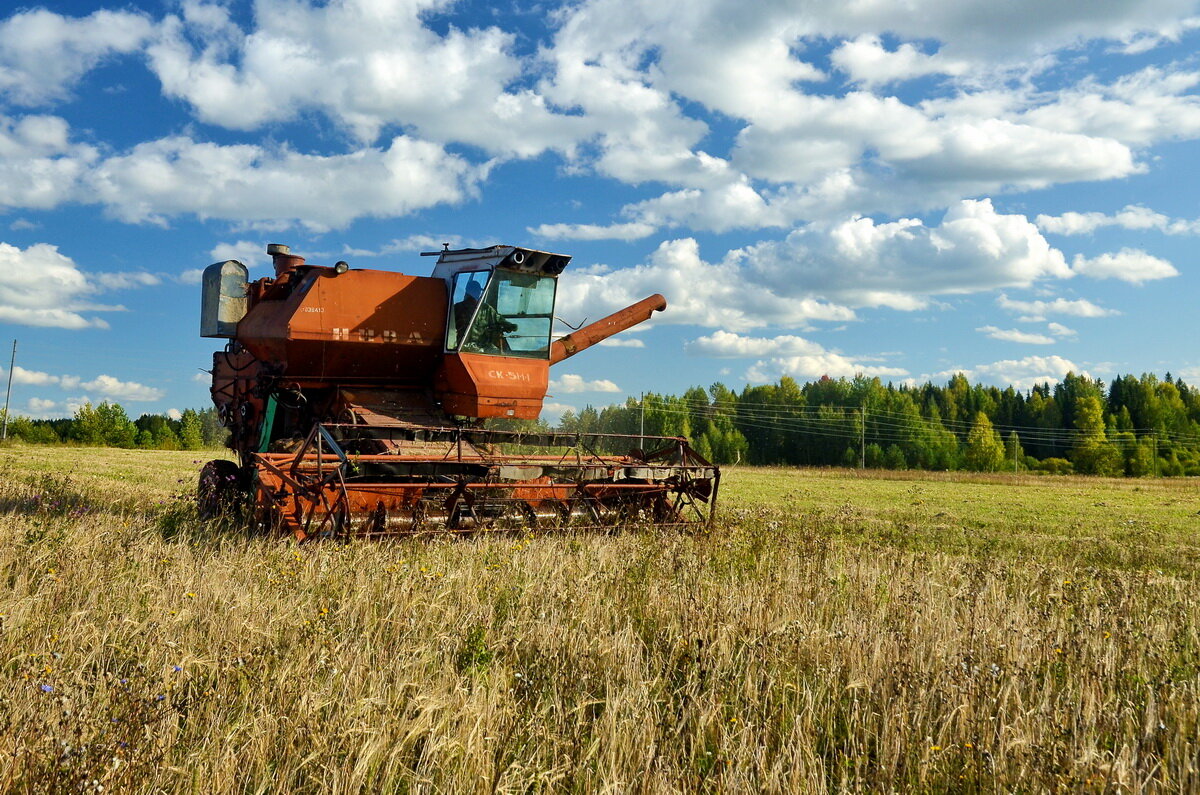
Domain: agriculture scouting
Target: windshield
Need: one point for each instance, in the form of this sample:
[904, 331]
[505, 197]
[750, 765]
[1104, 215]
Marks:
[507, 315]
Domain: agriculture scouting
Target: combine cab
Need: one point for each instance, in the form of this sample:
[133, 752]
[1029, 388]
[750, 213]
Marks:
[356, 402]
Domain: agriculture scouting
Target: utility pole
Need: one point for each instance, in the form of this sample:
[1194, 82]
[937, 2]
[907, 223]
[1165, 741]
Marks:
[642, 425]
[8, 393]
[1016, 444]
[862, 438]
[1154, 436]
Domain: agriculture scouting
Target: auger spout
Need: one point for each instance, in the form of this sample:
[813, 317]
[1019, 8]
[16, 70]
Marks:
[604, 328]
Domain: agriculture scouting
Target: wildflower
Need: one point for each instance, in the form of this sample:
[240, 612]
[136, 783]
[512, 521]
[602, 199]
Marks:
[46, 688]
[190, 595]
[177, 668]
[935, 748]
[160, 697]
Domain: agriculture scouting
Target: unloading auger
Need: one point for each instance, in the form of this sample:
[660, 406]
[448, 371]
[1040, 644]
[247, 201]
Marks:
[356, 401]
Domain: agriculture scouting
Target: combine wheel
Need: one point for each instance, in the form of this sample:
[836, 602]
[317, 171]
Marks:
[221, 490]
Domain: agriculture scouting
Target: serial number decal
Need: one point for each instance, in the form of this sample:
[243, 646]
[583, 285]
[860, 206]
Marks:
[312, 309]
[508, 375]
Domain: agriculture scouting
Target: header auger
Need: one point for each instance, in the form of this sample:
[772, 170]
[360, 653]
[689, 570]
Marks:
[356, 401]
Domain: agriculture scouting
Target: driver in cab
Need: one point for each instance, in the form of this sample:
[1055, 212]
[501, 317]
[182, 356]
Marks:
[486, 334]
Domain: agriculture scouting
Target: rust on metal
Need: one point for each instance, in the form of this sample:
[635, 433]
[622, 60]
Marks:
[356, 402]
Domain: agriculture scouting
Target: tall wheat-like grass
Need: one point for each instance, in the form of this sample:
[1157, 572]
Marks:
[788, 650]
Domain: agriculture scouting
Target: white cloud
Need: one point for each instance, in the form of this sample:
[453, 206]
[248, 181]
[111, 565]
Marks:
[365, 64]
[569, 383]
[42, 408]
[249, 184]
[106, 385]
[622, 342]
[114, 388]
[1016, 335]
[174, 414]
[125, 280]
[553, 411]
[1139, 109]
[43, 54]
[1059, 330]
[1132, 217]
[630, 231]
[718, 295]
[1127, 265]
[897, 264]
[250, 253]
[725, 344]
[39, 167]
[412, 243]
[784, 355]
[1033, 311]
[41, 287]
[1020, 373]
[866, 61]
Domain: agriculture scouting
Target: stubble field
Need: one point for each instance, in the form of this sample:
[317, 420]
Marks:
[836, 631]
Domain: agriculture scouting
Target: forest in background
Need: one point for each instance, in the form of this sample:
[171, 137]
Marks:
[108, 425]
[1133, 426]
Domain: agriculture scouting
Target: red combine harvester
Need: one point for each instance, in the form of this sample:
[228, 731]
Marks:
[356, 402]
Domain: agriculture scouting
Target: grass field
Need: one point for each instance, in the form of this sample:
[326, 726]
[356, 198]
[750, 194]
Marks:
[837, 631]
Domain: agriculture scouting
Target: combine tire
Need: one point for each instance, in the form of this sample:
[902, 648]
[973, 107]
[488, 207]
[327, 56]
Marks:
[221, 491]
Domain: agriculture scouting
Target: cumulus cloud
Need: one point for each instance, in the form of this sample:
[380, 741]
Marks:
[411, 243]
[698, 292]
[622, 342]
[570, 383]
[41, 287]
[552, 411]
[1059, 330]
[40, 167]
[250, 253]
[43, 54]
[897, 264]
[784, 355]
[1033, 311]
[1148, 106]
[116, 389]
[1020, 373]
[867, 61]
[1134, 217]
[249, 183]
[365, 64]
[107, 386]
[725, 344]
[1016, 335]
[629, 231]
[1127, 265]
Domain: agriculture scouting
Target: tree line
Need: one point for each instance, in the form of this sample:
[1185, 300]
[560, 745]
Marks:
[1133, 426]
[108, 425]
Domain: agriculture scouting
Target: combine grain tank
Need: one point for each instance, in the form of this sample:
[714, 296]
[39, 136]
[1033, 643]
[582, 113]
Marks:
[357, 403]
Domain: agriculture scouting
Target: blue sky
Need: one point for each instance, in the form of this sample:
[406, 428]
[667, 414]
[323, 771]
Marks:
[900, 189]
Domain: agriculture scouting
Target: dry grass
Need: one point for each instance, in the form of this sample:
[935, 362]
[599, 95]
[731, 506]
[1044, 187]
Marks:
[836, 632]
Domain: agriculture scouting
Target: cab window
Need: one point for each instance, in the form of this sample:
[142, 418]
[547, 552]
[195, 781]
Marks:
[508, 315]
